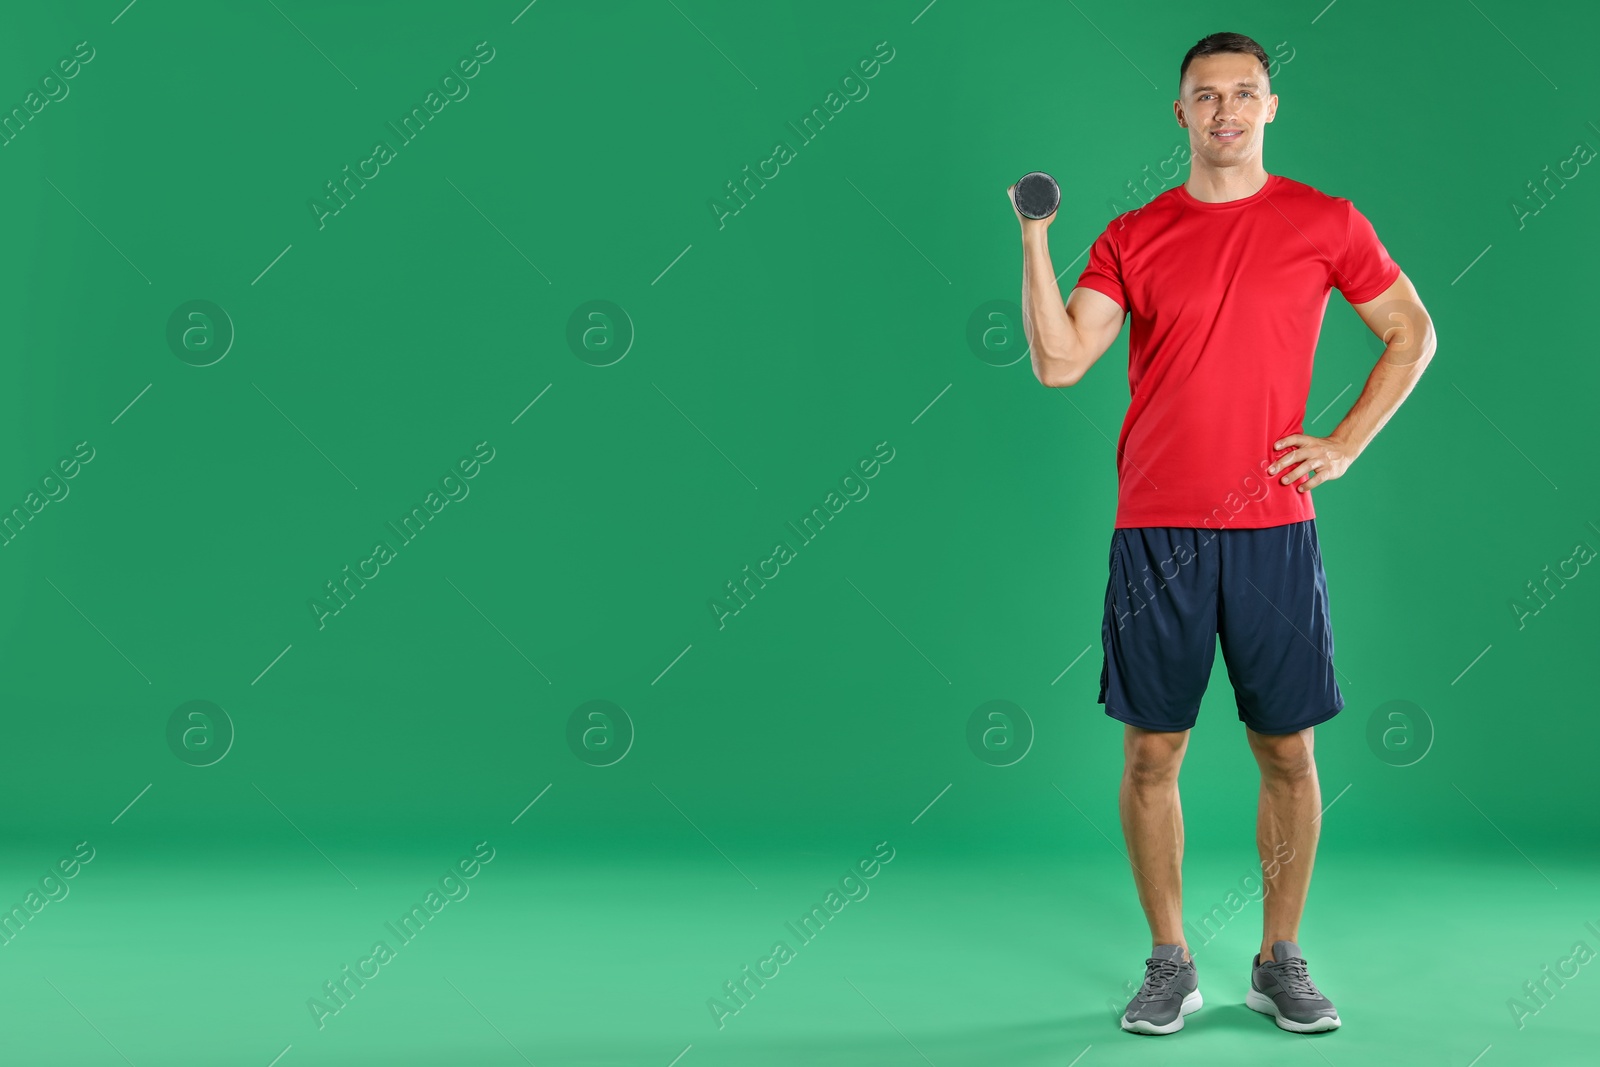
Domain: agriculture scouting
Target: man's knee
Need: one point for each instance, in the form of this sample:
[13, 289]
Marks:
[1284, 757]
[1153, 757]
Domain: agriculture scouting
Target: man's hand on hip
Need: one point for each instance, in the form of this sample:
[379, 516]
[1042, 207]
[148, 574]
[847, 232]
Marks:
[1316, 459]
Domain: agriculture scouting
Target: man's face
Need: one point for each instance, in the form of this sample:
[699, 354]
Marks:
[1226, 95]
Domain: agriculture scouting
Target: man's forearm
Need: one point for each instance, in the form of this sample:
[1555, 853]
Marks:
[1044, 317]
[1388, 385]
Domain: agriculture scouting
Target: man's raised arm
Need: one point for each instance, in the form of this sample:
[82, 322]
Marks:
[1063, 340]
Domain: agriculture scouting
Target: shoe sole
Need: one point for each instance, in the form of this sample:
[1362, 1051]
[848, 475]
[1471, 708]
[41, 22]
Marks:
[1259, 1001]
[1191, 1003]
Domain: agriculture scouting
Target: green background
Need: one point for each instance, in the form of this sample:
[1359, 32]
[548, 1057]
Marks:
[768, 356]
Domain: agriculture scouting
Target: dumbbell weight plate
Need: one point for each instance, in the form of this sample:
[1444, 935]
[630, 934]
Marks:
[1038, 195]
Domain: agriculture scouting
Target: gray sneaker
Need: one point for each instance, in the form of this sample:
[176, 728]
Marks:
[1282, 989]
[1168, 994]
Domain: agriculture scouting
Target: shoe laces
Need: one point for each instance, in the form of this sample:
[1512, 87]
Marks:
[1158, 976]
[1291, 974]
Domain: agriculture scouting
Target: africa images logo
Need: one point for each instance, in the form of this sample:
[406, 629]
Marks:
[811, 526]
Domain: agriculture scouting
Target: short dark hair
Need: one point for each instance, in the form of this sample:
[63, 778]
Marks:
[1223, 43]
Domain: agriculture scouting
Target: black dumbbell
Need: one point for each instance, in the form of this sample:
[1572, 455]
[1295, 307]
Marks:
[1038, 195]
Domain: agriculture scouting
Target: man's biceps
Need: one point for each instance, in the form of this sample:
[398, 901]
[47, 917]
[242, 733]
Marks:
[1398, 290]
[1397, 307]
[1091, 301]
[1096, 317]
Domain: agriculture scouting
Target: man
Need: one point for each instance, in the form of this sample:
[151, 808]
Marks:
[1226, 279]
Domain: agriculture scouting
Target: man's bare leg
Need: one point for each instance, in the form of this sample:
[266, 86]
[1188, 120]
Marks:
[1288, 822]
[1152, 824]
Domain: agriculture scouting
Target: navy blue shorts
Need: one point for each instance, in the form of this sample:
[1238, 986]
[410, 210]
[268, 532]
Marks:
[1174, 591]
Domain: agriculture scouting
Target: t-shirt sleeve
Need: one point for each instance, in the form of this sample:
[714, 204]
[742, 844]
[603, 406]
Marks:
[1364, 270]
[1103, 273]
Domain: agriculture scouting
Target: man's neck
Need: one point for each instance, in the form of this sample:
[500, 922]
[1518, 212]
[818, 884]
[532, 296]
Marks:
[1214, 185]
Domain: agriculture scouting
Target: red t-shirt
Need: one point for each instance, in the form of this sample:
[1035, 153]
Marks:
[1227, 302]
